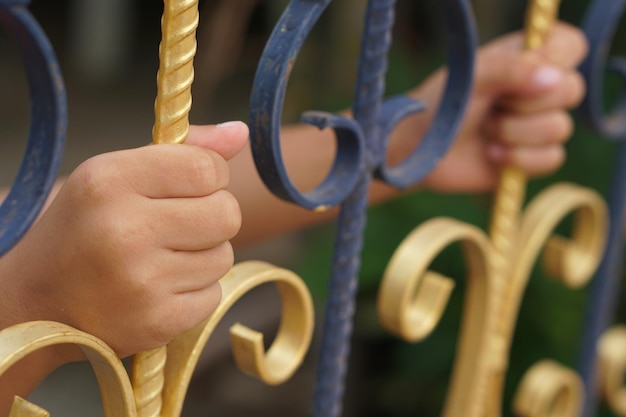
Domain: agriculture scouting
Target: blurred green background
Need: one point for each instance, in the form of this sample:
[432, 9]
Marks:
[109, 58]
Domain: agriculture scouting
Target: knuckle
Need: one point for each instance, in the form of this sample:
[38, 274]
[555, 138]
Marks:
[577, 39]
[231, 214]
[225, 259]
[563, 127]
[209, 170]
[577, 90]
[92, 180]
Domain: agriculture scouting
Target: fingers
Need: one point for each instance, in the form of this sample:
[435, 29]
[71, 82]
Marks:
[503, 70]
[183, 171]
[194, 224]
[546, 128]
[533, 143]
[532, 92]
[566, 92]
[161, 171]
[534, 161]
[184, 272]
[227, 139]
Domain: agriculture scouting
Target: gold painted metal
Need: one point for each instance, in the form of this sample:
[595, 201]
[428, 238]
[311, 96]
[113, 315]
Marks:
[160, 377]
[172, 106]
[175, 76]
[21, 340]
[612, 368]
[549, 389]
[274, 366]
[23, 408]
[412, 298]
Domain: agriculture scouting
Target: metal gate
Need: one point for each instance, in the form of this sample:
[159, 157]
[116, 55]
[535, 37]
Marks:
[412, 298]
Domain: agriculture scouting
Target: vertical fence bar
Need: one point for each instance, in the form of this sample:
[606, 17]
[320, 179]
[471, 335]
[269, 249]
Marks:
[361, 152]
[172, 106]
[510, 194]
[341, 303]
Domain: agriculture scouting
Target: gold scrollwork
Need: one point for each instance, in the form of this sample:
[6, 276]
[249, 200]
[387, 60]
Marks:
[274, 366]
[612, 368]
[412, 299]
[24, 339]
[549, 389]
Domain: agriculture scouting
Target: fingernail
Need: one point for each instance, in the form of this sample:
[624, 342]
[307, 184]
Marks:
[227, 125]
[547, 76]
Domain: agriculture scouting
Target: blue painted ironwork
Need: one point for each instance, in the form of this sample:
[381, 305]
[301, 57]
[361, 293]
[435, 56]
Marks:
[46, 137]
[600, 25]
[361, 144]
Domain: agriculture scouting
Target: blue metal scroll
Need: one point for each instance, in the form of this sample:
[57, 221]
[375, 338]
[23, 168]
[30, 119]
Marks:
[361, 144]
[600, 25]
[46, 138]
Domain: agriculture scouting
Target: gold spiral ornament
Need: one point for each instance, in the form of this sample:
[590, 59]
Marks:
[412, 299]
[612, 368]
[284, 356]
[549, 389]
[21, 340]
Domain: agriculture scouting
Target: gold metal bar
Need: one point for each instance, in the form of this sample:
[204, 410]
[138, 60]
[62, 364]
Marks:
[175, 76]
[172, 106]
[511, 191]
[509, 198]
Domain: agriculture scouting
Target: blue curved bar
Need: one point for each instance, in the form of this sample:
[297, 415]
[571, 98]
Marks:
[48, 125]
[361, 153]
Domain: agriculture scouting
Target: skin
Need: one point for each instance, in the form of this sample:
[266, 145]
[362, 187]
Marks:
[153, 270]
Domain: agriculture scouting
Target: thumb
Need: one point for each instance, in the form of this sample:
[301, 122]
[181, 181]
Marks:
[507, 72]
[227, 139]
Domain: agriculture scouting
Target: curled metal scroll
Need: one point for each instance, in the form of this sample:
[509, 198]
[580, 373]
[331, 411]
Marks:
[549, 389]
[24, 339]
[361, 152]
[492, 301]
[48, 124]
[612, 368]
[275, 366]
[354, 142]
[600, 25]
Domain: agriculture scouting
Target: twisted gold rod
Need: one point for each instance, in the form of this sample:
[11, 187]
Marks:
[172, 106]
[504, 228]
[511, 190]
[175, 76]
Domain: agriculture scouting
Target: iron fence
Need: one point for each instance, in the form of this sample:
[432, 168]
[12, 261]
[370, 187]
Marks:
[411, 298]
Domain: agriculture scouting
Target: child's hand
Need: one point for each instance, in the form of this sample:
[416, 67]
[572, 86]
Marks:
[517, 113]
[132, 247]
